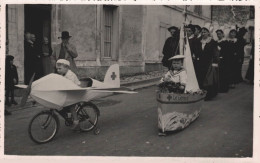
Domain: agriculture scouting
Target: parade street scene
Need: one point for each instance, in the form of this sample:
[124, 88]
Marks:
[122, 80]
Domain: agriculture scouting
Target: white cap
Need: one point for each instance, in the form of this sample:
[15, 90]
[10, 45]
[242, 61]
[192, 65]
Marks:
[177, 57]
[63, 61]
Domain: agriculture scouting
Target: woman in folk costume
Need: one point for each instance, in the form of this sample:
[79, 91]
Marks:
[240, 52]
[208, 58]
[232, 52]
[250, 70]
[224, 59]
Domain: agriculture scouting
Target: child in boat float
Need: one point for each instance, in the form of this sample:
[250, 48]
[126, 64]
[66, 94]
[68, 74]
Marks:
[177, 74]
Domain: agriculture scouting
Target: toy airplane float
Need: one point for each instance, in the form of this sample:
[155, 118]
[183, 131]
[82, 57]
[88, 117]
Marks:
[55, 91]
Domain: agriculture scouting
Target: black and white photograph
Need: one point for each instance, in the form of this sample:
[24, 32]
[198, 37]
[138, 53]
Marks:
[129, 80]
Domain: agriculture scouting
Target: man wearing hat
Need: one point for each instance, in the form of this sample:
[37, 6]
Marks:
[170, 48]
[65, 50]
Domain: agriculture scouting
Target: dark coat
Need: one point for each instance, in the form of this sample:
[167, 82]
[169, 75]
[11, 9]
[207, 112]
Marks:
[224, 66]
[32, 62]
[169, 50]
[10, 75]
[206, 57]
[250, 70]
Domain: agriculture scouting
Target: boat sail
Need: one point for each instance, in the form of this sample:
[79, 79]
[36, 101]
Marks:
[192, 82]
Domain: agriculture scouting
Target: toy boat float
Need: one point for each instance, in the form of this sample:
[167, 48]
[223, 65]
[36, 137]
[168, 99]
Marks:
[177, 110]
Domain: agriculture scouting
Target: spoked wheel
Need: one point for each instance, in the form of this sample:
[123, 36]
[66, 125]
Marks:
[43, 127]
[88, 116]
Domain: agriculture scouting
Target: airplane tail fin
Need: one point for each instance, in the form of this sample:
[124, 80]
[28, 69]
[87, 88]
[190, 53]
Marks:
[112, 76]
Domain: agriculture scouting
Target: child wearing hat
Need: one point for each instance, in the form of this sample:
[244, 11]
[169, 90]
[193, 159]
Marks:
[11, 79]
[63, 68]
[177, 73]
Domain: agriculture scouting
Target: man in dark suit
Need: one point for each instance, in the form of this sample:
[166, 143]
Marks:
[170, 48]
[65, 50]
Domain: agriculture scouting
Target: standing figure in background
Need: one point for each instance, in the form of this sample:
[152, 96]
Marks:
[29, 58]
[65, 50]
[37, 65]
[224, 64]
[250, 70]
[46, 59]
[232, 52]
[190, 30]
[240, 52]
[11, 79]
[208, 64]
[170, 47]
[197, 33]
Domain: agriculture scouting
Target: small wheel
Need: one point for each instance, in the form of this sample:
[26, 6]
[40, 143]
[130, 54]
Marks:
[88, 116]
[43, 127]
[97, 131]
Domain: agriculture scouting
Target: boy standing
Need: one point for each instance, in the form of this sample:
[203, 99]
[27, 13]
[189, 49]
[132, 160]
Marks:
[11, 79]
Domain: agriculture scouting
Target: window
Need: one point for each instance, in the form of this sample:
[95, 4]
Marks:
[110, 31]
[198, 10]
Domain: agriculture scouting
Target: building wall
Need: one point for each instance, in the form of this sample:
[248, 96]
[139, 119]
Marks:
[141, 30]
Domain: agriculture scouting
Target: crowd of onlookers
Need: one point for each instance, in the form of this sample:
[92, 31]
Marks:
[217, 63]
[39, 60]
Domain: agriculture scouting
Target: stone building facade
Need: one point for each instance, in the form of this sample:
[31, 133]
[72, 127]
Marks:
[130, 35]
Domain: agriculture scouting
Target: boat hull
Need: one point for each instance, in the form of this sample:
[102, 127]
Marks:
[177, 111]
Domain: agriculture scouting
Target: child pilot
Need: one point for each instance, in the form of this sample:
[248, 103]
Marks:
[177, 73]
[62, 66]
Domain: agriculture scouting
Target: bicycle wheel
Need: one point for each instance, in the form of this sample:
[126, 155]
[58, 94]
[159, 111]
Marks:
[88, 116]
[43, 127]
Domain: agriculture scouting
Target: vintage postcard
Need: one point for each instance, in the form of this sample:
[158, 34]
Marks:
[129, 80]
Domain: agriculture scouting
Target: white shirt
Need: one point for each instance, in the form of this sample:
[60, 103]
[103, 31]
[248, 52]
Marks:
[72, 76]
[176, 76]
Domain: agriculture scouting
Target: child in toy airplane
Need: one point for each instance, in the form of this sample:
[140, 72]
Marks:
[63, 68]
[177, 74]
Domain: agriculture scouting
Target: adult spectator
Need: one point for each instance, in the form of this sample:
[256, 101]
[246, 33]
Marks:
[65, 50]
[170, 47]
[240, 52]
[232, 52]
[207, 64]
[224, 62]
[46, 59]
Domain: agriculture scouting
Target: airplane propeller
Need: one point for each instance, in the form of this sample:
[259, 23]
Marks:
[27, 92]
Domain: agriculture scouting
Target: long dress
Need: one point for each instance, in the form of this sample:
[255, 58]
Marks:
[208, 54]
[241, 42]
[234, 64]
[224, 59]
[250, 70]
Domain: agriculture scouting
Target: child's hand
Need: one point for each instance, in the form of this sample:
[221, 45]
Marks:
[182, 87]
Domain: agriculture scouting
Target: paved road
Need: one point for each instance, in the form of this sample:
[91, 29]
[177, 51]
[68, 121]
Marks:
[129, 128]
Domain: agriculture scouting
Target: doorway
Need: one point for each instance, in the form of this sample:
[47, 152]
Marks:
[38, 21]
